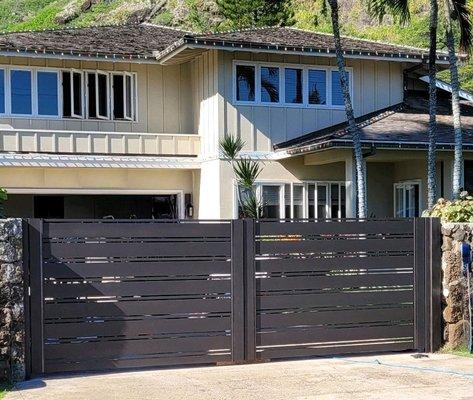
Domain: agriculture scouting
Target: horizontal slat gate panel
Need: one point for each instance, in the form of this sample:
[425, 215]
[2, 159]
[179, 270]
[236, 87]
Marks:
[113, 348]
[333, 245]
[95, 364]
[330, 334]
[295, 264]
[131, 288]
[334, 299]
[151, 268]
[286, 319]
[135, 307]
[331, 350]
[335, 227]
[336, 281]
[149, 326]
[136, 229]
[136, 249]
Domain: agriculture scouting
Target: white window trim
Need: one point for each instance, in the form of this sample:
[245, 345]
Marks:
[282, 95]
[134, 96]
[403, 184]
[96, 89]
[34, 93]
[328, 185]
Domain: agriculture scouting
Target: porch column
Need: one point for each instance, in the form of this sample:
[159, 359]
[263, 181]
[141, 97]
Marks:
[350, 177]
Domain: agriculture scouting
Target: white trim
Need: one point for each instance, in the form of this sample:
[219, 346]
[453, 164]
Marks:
[282, 96]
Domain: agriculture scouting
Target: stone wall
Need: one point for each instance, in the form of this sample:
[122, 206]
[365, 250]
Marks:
[455, 311]
[12, 324]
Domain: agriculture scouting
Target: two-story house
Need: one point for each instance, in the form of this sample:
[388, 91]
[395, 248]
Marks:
[125, 121]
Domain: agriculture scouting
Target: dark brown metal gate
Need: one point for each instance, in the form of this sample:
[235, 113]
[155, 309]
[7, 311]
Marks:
[119, 294]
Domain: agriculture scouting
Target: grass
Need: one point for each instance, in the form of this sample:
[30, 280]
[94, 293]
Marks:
[4, 389]
[462, 352]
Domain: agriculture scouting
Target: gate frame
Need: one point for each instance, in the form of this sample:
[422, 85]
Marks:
[427, 290]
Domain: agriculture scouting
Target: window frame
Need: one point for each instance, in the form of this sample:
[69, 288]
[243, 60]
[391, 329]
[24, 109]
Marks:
[96, 90]
[282, 92]
[134, 96]
[403, 184]
[59, 93]
[5, 97]
[34, 93]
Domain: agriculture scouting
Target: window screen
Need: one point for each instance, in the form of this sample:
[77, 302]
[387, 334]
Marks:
[337, 93]
[293, 85]
[245, 83]
[270, 84]
[21, 92]
[317, 86]
[48, 102]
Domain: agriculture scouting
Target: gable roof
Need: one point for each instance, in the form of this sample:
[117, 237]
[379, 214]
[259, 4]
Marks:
[138, 41]
[404, 126]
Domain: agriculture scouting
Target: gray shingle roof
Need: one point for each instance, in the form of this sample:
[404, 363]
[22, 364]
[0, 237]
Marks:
[402, 126]
[147, 41]
[122, 40]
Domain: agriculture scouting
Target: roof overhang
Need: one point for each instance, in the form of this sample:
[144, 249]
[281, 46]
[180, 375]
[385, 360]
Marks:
[188, 48]
[45, 160]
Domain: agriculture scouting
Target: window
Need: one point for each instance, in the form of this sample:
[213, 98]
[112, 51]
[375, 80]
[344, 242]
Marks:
[97, 95]
[262, 83]
[270, 198]
[327, 200]
[293, 85]
[317, 86]
[337, 93]
[123, 96]
[407, 199]
[2, 91]
[72, 94]
[48, 99]
[269, 84]
[245, 83]
[21, 92]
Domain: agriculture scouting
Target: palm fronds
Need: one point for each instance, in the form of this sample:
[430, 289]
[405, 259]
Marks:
[396, 8]
[247, 171]
[230, 146]
[461, 13]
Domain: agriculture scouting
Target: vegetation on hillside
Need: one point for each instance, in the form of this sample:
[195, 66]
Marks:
[206, 15]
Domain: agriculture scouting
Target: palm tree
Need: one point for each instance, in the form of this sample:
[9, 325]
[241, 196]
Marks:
[400, 8]
[353, 128]
[459, 12]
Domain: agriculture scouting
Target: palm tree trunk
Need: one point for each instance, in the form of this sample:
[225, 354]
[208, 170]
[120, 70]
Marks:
[353, 129]
[431, 157]
[457, 127]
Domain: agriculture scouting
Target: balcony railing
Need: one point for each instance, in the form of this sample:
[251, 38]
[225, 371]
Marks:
[91, 142]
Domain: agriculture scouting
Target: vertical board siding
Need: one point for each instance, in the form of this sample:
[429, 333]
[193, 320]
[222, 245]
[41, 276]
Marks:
[165, 103]
[376, 85]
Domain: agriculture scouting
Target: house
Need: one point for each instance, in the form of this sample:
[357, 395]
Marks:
[125, 122]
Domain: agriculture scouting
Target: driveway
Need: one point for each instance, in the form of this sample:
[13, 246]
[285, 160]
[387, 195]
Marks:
[398, 376]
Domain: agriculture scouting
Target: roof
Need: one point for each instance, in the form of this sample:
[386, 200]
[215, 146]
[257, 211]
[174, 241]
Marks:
[157, 42]
[398, 127]
[123, 41]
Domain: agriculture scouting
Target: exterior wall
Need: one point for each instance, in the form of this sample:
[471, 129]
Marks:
[380, 190]
[12, 327]
[292, 170]
[165, 101]
[455, 285]
[376, 85]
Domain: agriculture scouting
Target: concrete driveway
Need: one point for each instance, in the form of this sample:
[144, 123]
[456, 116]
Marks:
[397, 376]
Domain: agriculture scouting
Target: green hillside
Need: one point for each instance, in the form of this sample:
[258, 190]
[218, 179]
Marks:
[202, 15]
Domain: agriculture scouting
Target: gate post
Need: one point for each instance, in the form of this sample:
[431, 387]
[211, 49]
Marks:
[243, 291]
[35, 235]
[427, 284]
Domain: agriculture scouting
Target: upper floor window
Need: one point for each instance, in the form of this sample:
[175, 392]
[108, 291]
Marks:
[68, 93]
[288, 85]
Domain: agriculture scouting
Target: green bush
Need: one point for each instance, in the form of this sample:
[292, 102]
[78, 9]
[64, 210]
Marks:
[460, 210]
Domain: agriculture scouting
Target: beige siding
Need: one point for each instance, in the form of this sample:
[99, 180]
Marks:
[165, 102]
[376, 85]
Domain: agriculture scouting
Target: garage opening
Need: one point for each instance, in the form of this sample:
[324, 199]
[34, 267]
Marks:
[93, 206]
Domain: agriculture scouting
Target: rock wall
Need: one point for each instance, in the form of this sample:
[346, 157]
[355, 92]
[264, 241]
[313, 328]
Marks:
[455, 311]
[12, 324]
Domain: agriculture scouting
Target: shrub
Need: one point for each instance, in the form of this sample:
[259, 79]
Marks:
[460, 210]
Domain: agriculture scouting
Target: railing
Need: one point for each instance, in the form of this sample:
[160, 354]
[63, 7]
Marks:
[92, 142]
